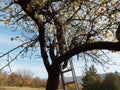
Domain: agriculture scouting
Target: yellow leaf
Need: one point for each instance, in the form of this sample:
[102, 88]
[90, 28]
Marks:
[36, 14]
[109, 35]
[17, 37]
[50, 30]
[40, 3]
[102, 1]
[105, 4]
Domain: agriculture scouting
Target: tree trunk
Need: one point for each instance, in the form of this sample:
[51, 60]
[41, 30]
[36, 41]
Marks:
[53, 79]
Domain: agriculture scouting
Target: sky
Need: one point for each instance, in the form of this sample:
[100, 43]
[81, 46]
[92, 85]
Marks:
[35, 65]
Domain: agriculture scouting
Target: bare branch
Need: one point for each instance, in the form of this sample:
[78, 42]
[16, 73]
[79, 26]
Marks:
[7, 6]
[11, 60]
[29, 42]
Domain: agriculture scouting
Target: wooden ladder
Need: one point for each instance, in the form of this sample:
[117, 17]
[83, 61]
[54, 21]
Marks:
[71, 67]
[72, 71]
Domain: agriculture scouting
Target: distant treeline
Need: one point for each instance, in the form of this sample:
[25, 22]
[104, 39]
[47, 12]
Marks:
[90, 81]
[21, 79]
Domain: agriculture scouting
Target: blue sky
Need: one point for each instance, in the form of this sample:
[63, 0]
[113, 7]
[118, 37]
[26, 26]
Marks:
[35, 65]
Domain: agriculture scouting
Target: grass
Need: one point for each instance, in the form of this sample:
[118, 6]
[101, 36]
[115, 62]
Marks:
[20, 88]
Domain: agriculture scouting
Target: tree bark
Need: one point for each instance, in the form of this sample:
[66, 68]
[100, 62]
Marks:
[53, 78]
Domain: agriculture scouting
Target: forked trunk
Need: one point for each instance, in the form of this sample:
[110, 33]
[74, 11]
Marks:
[53, 79]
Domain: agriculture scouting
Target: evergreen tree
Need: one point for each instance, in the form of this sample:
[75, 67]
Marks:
[91, 80]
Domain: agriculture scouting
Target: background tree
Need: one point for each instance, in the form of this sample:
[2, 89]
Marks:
[21, 80]
[15, 80]
[91, 80]
[111, 82]
[27, 77]
[47, 24]
[36, 82]
[3, 79]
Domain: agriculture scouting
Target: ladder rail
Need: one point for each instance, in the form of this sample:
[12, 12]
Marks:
[74, 79]
[62, 79]
[74, 75]
[70, 62]
[72, 70]
[72, 67]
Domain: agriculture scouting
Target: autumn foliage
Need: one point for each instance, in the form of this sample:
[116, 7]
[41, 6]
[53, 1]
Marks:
[15, 79]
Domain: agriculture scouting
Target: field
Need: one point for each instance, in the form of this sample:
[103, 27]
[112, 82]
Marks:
[20, 88]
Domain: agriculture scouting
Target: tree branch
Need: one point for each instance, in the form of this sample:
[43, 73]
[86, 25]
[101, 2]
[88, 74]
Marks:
[30, 11]
[87, 47]
[31, 42]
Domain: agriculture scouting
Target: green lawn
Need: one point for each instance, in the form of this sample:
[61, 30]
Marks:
[20, 88]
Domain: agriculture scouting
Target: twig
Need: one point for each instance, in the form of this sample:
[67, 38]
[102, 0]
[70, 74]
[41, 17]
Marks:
[12, 60]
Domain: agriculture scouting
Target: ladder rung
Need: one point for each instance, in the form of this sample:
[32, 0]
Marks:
[69, 82]
[67, 70]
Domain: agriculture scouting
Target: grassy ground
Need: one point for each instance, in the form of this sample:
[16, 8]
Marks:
[20, 88]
